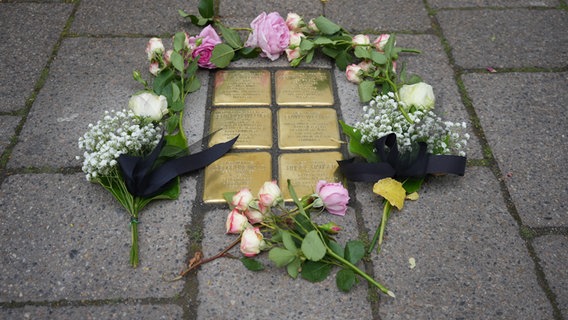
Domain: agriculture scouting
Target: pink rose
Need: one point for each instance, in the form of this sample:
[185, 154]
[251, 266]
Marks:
[269, 194]
[236, 222]
[292, 54]
[255, 212]
[294, 22]
[251, 241]
[295, 39]
[241, 199]
[204, 44]
[270, 33]
[354, 73]
[154, 68]
[361, 39]
[381, 42]
[154, 48]
[366, 65]
[334, 197]
[312, 26]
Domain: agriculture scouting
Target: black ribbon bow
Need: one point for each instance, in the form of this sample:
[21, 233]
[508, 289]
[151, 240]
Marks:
[143, 180]
[395, 165]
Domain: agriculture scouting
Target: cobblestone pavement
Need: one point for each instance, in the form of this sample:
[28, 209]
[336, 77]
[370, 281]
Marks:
[490, 245]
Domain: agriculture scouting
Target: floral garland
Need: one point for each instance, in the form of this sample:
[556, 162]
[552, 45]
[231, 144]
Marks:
[399, 141]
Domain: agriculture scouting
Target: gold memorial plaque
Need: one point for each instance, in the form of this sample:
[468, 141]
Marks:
[307, 128]
[242, 87]
[304, 170]
[235, 171]
[253, 125]
[303, 88]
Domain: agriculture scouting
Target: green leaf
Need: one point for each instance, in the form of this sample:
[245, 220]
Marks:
[183, 14]
[306, 45]
[330, 52]
[345, 279]
[412, 184]
[378, 57]
[326, 26]
[335, 247]
[177, 61]
[179, 39]
[249, 52]
[231, 36]
[315, 271]
[312, 246]
[175, 92]
[310, 56]
[228, 196]
[342, 60]
[206, 8]
[366, 89]
[288, 241]
[355, 146]
[323, 41]
[362, 52]
[162, 80]
[171, 124]
[192, 85]
[222, 55]
[252, 264]
[354, 251]
[280, 256]
[294, 267]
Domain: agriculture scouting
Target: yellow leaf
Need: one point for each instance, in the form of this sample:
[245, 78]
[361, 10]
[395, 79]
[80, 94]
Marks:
[412, 196]
[391, 190]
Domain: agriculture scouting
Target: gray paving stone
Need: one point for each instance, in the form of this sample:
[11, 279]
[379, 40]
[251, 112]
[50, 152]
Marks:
[506, 38]
[553, 254]
[492, 3]
[144, 17]
[379, 16]
[433, 66]
[227, 290]
[76, 93]
[29, 33]
[470, 261]
[8, 126]
[77, 247]
[120, 311]
[525, 124]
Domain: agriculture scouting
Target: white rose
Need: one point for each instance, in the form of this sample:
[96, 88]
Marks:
[148, 104]
[419, 95]
[154, 47]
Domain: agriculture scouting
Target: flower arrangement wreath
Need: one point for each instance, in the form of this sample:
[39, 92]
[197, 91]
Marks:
[138, 154]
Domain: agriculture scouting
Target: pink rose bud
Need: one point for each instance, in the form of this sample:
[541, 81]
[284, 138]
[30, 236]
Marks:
[154, 47]
[292, 54]
[241, 199]
[167, 57]
[254, 216]
[381, 41]
[154, 68]
[251, 241]
[354, 73]
[294, 21]
[366, 65]
[312, 26]
[295, 39]
[269, 194]
[361, 39]
[330, 227]
[334, 197]
[269, 33]
[236, 222]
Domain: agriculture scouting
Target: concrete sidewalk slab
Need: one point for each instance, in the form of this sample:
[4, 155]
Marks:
[531, 159]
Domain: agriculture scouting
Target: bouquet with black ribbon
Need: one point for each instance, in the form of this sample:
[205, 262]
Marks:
[139, 154]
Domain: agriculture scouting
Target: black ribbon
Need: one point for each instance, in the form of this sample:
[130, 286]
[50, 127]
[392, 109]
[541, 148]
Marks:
[143, 180]
[395, 165]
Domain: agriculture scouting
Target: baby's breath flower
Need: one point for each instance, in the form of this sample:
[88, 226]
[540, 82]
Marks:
[117, 133]
[382, 116]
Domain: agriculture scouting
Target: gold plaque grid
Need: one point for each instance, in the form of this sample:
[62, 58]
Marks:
[287, 128]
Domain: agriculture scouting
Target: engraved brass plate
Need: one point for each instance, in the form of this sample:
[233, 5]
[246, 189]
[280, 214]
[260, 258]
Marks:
[308, 128]
[304, 170]
[253, 125]
[303, 88]
[235, 171]
[242, 87]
